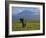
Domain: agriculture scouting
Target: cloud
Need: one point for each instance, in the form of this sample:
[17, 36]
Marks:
[36, 14]
[15, 10]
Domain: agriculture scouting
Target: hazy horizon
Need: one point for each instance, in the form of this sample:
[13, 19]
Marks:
[26, 13]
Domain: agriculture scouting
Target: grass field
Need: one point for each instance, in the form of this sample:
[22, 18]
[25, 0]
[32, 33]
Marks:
[30, 25]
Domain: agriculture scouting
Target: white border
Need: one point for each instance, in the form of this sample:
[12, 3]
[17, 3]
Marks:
[25, 32]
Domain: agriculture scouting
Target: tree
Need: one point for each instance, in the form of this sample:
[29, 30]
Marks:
[22, 21]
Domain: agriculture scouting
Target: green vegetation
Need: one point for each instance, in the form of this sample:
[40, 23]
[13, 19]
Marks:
[30, 25]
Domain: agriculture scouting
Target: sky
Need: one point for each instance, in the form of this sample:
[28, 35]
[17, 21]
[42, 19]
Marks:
[17, 10]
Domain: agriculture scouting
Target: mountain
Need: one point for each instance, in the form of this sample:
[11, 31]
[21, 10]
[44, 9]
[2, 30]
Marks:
[26, 14]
